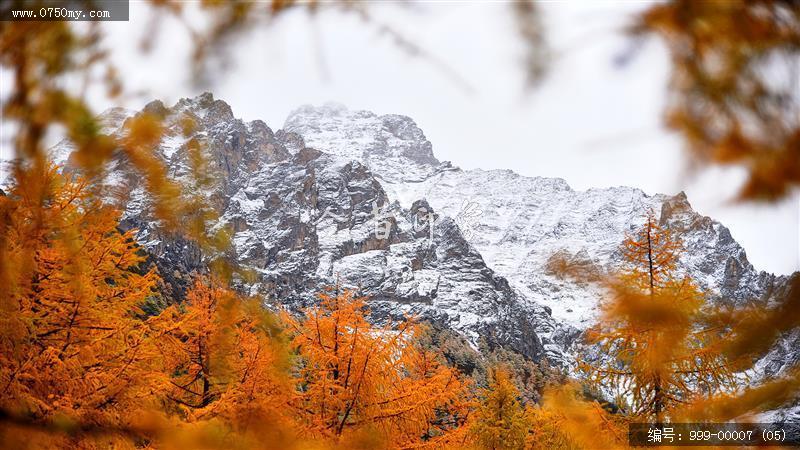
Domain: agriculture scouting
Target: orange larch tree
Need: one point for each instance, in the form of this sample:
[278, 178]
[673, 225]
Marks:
[566, 420]
[734, 98]
[655, 353]
[226, 367]
[733, 89]
[73, 345]
[500, 421]
[371, 385]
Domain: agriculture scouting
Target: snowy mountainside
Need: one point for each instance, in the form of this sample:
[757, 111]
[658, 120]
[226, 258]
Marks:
[359, 199]
[518, 223]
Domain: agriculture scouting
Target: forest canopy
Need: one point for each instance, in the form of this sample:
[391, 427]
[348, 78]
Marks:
[95, 351]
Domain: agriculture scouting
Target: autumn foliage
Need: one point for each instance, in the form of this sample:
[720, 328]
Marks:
[83, 365]
[223, 366]
[73, 347]
[733, 91]
[88, 361]
[369, 386]
[655, 355]
[501, 421]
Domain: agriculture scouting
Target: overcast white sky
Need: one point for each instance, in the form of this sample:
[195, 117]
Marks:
[591, 122]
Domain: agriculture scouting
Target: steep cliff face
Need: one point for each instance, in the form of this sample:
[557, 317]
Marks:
[359, 200]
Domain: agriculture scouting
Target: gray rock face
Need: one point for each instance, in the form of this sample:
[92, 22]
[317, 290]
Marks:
[302, 219]
[316, 220]
[359, 200]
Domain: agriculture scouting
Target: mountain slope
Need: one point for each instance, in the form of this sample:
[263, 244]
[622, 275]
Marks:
[303, 220]
[357, 200]
[518, 223]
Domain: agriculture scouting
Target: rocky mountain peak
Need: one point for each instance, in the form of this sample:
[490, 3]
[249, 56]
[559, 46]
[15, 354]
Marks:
[113, 118]
[204, 106]
[392, 145]
[676, 207]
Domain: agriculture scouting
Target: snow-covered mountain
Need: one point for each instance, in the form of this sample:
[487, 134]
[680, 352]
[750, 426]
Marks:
[518, 223]
[357, 199]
